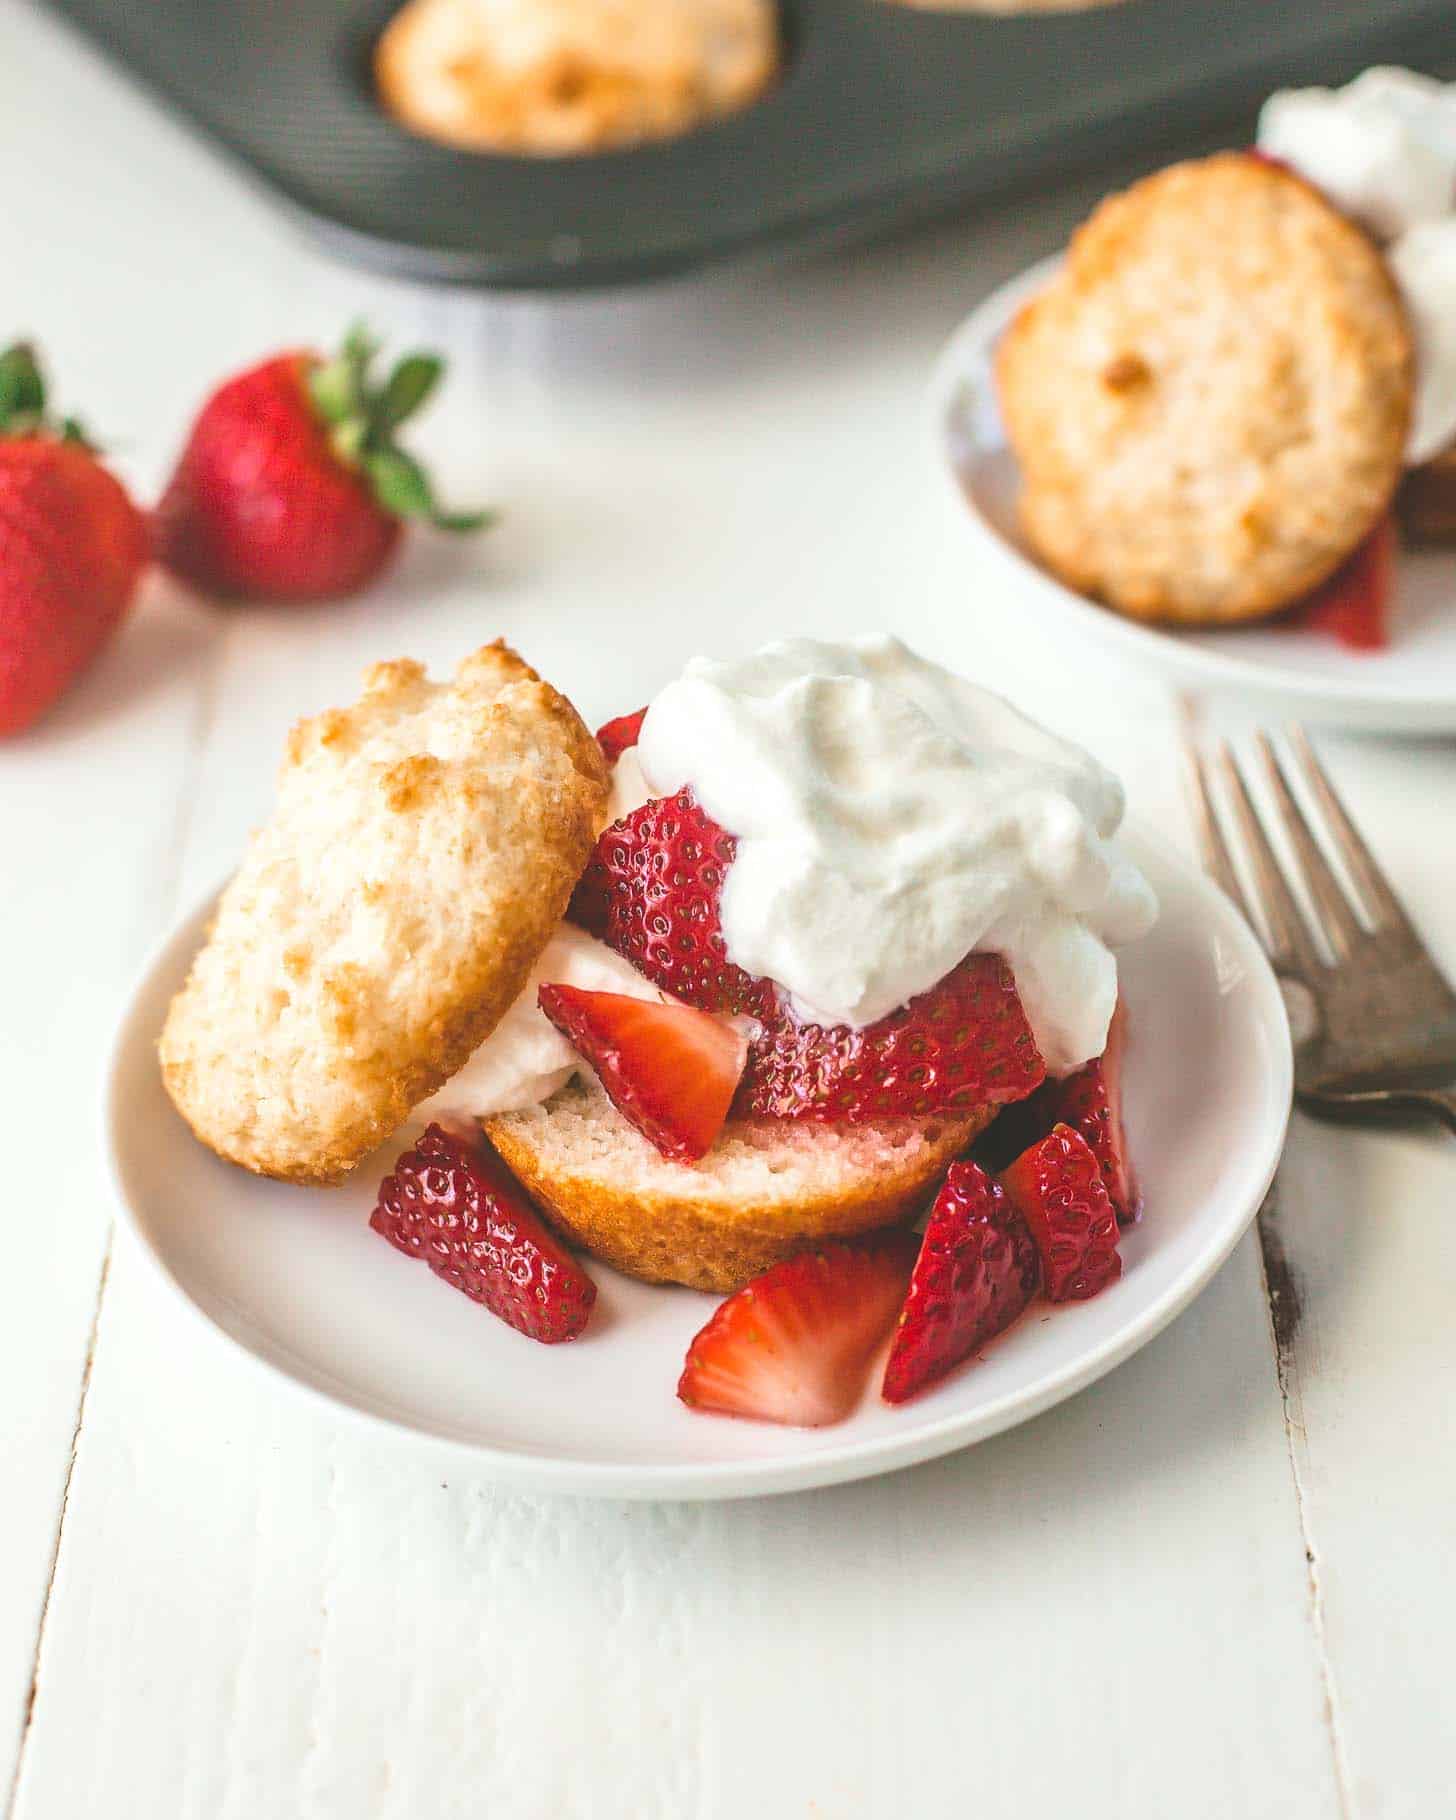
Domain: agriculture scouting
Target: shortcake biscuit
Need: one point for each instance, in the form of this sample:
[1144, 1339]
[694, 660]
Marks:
[423, 847]
[1209, 403]
[563, 76]
[767, 1188]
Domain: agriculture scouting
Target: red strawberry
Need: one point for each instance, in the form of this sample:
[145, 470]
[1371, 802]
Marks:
[651, 891]
[1090, 1101]
[618, 735]
[1353, 604]
[978, 1268]
[291, 485]
[1057, 1187]
[456, 1205]
[72, 548]
[963, 1044]
[670, 1070]
[795, 1344]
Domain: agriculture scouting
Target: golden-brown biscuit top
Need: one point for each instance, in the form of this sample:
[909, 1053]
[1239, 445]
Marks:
[1209, 403]
[423, 847]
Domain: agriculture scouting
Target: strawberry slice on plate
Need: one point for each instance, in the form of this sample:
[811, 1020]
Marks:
[618, 735]
[1058, 1189]
[977, 1270]
[1353, 604]
[670, 1070]
[453, 1202]
[794, 1346]
[965, 1043]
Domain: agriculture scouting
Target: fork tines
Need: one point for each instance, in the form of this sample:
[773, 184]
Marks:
[1344, 917]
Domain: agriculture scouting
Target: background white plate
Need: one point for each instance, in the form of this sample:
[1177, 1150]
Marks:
[1409, 688]
[298, 1281]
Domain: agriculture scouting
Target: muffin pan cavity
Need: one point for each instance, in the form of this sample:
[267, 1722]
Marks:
[882, 113]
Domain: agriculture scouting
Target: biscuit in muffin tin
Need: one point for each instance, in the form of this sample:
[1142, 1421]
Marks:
[572, 76]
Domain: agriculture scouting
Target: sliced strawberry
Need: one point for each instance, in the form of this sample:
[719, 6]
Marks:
[617, 735]
[454, 1203]
[794, 1346]
[1090, 1101]
[978, 1268]
[670, 1070]
[965, 1043]
[1057, 1187]
[651, 891]
[1353, 604]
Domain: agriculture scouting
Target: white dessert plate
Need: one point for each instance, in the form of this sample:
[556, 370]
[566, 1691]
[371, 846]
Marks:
[295, 1279]
[1411, 687]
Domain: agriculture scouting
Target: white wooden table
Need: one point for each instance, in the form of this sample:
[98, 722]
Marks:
[1217, 1586]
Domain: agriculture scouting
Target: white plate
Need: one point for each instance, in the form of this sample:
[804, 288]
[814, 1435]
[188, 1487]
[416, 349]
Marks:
[295, 1278]
[1409, 688]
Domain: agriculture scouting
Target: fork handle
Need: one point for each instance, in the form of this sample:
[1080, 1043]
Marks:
[1441, 1101]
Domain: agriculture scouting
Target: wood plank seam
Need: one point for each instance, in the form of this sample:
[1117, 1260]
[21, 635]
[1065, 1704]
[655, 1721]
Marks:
[321, 1724]
[166, 909]
[45, 1607]
[1281, 1291]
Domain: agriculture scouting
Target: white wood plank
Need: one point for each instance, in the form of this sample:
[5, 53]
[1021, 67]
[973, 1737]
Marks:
[89, 873]
[1365, 1224]
[1107, 1605]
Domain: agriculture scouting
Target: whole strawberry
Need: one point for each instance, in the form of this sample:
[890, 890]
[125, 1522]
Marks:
[292, 486]
[72, 548]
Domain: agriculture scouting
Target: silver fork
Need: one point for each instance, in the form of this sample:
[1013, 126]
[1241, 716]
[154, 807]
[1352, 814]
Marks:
[1374, 1020]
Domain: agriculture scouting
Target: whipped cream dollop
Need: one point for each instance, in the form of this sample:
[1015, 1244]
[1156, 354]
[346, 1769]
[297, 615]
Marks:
[526, 1059]
[1383, 149]
[1424, 263]
[892, 818]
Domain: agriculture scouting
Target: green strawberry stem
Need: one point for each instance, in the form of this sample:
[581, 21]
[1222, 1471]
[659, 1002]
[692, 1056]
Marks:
[363, 416]
[23, 399]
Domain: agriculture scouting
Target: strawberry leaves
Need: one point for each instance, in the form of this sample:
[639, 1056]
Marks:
[23, 399]
[362, 416]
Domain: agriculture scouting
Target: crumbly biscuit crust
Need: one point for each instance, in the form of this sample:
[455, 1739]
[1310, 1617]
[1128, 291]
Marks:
[1210, 402]
[768, 1188]
[423, 847]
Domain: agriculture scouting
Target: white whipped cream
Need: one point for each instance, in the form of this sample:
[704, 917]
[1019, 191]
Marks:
[1383, 149]
[1424, 263]
[892, 818]
[526, 1059]
[629, 787]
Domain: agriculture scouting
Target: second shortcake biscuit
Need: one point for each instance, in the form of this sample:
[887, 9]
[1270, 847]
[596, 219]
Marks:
[1210, 402]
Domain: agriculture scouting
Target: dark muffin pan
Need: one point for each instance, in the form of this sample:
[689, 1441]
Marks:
[883, 113]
